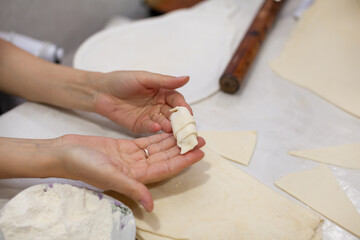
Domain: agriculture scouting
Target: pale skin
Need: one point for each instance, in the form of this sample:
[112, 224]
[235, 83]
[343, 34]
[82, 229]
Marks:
[137, 100]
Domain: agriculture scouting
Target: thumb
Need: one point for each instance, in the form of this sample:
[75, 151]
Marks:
[155, 80]
[135, 190]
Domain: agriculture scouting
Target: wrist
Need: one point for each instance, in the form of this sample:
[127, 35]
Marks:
[30, 158]
[87, 85]
[68, 88]
[76, 90]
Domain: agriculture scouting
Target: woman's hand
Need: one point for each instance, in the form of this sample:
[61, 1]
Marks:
[138, 100]
[107, 163]
[122, 165]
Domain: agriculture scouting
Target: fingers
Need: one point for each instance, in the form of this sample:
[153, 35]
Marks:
[170, 162]
[161, 118]
[165, 111]
[162, 146]
[165, 159]
[157, 170]
[168, 149]
[154, 80]
[162, 143]
[133, 189]
[97, 169]
[162, 114]
[174, 99]
[149, 126]
[153, 139]
[160, 170]
[201, 142]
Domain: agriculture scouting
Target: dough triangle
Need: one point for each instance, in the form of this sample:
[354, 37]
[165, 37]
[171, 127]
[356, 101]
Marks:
[214, 200]
[343, 156]
[319, 189]
[237, 146]
[322, 53]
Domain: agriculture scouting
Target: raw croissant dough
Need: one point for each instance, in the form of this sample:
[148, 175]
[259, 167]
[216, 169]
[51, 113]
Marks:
[323, 53]
[347, 156]
[198, 41]
[215, 200]
[319, 189]
[184, 128]
[237, 146]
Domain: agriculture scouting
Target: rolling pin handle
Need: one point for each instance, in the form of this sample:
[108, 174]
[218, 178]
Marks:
[229, 83]
[247, 49]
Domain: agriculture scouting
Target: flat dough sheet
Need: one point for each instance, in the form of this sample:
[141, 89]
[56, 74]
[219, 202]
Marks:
[319, 189]
[237, 146]
[347, 156]
[215, 200]
[198, 42]
[323, 53]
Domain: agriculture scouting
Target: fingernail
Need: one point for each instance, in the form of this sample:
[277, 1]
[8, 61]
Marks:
[181, 77]
[145, 205]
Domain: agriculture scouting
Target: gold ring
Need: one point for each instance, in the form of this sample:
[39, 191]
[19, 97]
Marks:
[147, 154]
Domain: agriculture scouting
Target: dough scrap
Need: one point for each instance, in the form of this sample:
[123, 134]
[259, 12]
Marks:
[237, 146]
[323, 53]
[347, 156]
[215, 200]
[184, 128]
[319, 189]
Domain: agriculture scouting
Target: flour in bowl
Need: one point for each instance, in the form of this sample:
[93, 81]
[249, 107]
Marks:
[58, 211]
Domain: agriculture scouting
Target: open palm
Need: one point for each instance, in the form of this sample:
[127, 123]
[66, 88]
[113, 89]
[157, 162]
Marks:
[121, 165]
[138, 100]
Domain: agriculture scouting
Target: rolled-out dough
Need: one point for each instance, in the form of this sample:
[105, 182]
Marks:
[175, 44]
[323, 53]
[319, 189]
[197, 41]
[343, 156]
[215, 200]
[237, 146]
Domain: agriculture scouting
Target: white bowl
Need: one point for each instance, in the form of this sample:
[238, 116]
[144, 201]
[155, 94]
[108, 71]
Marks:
[70, 200]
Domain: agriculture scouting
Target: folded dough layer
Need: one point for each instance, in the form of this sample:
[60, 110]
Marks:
[184, 128]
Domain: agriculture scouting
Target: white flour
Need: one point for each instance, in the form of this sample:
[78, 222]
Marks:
[58, 211]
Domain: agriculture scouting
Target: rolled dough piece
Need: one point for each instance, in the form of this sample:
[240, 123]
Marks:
[319, 189]
[343, 156]
[237, 146]
[323, 53]
[215, 200]
[184, 129]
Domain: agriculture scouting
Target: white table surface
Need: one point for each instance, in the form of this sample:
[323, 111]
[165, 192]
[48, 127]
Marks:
[285, 116]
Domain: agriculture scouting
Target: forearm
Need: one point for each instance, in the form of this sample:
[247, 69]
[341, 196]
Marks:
[37, 158]
[32, 78]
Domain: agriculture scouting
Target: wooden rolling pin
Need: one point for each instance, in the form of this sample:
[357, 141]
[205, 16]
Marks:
[241, 61]
[164, 6]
